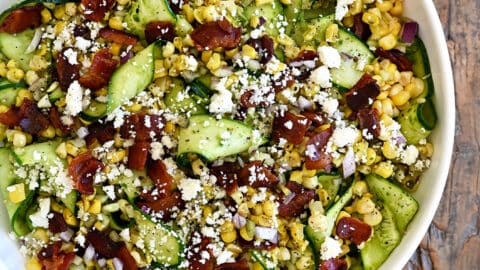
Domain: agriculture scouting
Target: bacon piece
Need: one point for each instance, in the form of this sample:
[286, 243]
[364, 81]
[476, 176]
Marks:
[137, 155]
[334, 264]
[246, 100]
[263, 46]
[196, 258]
[284, 81]
[317, 119]
[82, 169]
[164, 206]
[56, 223]
[82, 31]
[227, 175]
[157, 171]
[118, 36]
[108, 248]
[56, 122]
[368, 119]
[305, 62]
[353, 229]
[142, 126]
[21, 19]
[397, 57]
[66, 72]
[95, 10]
[99, 73]
[295, 206]
[315, 156]
[159, 30]
[10, 118]
[257, 245]
[256, 175]
[52, 258]
[290, 127]
[362, 93]
[176, 5]
[361, 29]
[242, 264]
[217, 34]
[31, 118]
[100, 132]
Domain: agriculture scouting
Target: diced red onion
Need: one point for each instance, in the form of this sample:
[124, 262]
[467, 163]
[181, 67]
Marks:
[239, 221]
[307, 63]
[304, 103]
[289, 198]
[66, 235]
[89, 253]
[400, 139]
[270, 234]
[349, 163]
[409, 31]
[126, 56]
[117, 263]
[102, 262]
[35, 41]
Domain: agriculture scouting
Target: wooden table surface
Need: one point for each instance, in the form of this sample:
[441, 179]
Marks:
[453, 240]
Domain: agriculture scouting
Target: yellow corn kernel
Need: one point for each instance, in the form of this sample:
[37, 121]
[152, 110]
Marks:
[72, 149]
[293, 159]
[46, 15]
[19, 139]
[254, 21]
[30, 77]
[243, 210]
[71, 9]
[283, 254]
[95, 207]
[373, 218]
[4, 108]
[364, 205]
[230, 53]
[401, 98]
[383, 95]
[41, 234]
[359, 188]
[285, 40]
[229, 237]
[48, 133]
[397, 8]
[262, 2]
[384, 169]
[370, 18]
[331, 33]
[59, 12]
[33, 264]
[206, 55]
[198, 14]
[415, 88]
[318, 222]
[16, 193]
[69, 217]
[235, 249]
[370, 156]
[11, 64]
[356, 7]
[115, 22]
[123, 2]
[188, 11]
[117, 156]
[115, 49]
[296, 176]
[249, 51]
[38, 62]
[387, 107]
[168, 49]
[247, 232]
[388, 42]
[268, 208]
[18, 74]
[61, 150]
[11, 76]
[395, 28]
[310, 182]
[214, 62]
[296, 231]
[21, 95]
[257, 266]
[304, 262]
[389, 150]
[384, 6]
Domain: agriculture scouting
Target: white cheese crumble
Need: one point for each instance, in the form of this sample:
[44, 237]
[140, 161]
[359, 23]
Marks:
[71, 56]
[329, 56]
[410, 155]
[40, 218]
[341, 9]
[74, 99]
[331, 248]
[344, 136]
[321, 76]
[190, 188]
[221, 102]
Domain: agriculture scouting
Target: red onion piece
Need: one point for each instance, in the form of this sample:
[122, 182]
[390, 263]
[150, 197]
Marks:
[66, 235]
[117, 263]
[89, 254]
[304, 103]
[239, 221]
[289, 198]
[266, 233]
[400, 139]
[409, 31]
[35, 41]
[349, 163]
[126, 56]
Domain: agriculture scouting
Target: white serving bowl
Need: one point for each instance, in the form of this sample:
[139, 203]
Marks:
[431, 187]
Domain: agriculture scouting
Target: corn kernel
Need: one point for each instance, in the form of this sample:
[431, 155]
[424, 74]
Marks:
[384, 6]
[16, 193]
[389, 150]
[229, 237]
[188, 11]
[168, 50]
[296, 231]
[304, 263]
[370, 18]
[117, 156]
[388, 42]
[115, 49]
[397, 9]
[268, 208]
[247, 232]
[48, 133]
[331, 33]
[19, 139]
[95, 207]
[115, 22]
[123, 2]
[263, 2]
[59, 12]
[46, 16]
[356, 7]
[214, 62]
[33, 264]
[69, 217]
[401, 98]
[11, 64]
[72, 149]
[21, 95]
[384, 169]
[285, 40]
[249, 51]
[373, 218]
[364, 205]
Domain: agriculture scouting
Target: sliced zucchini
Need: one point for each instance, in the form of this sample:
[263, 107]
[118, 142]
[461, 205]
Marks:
[20, 220]
[417, 54]
[184, 100]
[126, 182]
[262, 260]
[8, 178]
[417, 121]
[43, 153]
[94, 111]
[14, 47]
[212, 138]
[271, 12]
[131, 78]
[400, 202]
[331, 185]
[144, 11]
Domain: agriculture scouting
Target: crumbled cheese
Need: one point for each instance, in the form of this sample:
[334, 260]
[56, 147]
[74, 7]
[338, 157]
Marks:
[156, 149]
[331, 248]
[110, 191]
[329, 56]
[221, 102]
[82, 44]
[344, 136]
[74, 99]
[225, 257]
[342, 8]
[40, 218]
[190, 188]
[409, 155]
[321, 76]
[71, 56]
[330, 106]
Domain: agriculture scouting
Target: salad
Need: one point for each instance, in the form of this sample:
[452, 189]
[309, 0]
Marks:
[211, 134]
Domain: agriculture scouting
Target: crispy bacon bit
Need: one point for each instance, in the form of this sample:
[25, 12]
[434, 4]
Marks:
[31, 118]
[290, 127]
[305, 55]
[56, 122]
[256, 175]
[21, 19]
[285, 81]
[157, 171]
[362, 93]
[95, 10]
[142, 126]
[10, 118]
[52, 258]
[57, 223]
[82, 169]
[397, 57]
[66, 72]
[257, 245]
[159, 30]
[227, 175]
[315, 156]
[247, 99]
[108, 248]
[353, 229]
[137, 155]
[361, 29]
[317, 119]
[118, 36]
[369, 120]
[296, 205]
[263, 46]
[99, 73]
[242, 264]
[217, 34]
[197, 260]
[305, 62]
[164, 206]
[100, 132]
[334, 264]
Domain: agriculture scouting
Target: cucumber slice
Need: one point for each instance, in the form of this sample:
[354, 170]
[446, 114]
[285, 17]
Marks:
[8, 178]
[19, 220]
[262, 260]
[426, 114]
[269, 11]
[131, 78]
[118, 223]
[417, 54]
[401, 203]
[384, 240]
[94, 111]
[180, 100]
[330, 183]
[162, 244]
[39, 153]
[14, 47]
[144, 11]
[126, 182]
[212, 138]
[9, 91]
[417, 121]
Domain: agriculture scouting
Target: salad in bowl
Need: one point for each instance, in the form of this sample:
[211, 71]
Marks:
[216, 134]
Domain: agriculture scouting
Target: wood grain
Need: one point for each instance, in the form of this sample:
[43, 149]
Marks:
[453, 240]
